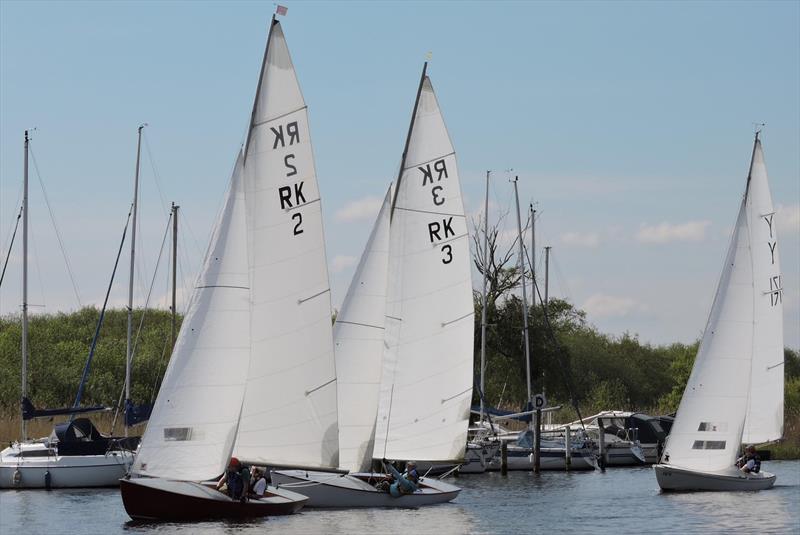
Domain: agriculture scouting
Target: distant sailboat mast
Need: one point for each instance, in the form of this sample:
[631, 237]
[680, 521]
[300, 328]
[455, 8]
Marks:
[25, 287]
[483, 299]
[129, 345]
[524, 300]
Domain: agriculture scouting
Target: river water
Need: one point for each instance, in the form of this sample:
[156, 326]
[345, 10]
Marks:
[619, 500]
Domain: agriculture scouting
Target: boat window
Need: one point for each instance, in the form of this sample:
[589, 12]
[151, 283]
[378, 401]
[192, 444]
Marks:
[713, 426]
[708, 445]
[177, 433]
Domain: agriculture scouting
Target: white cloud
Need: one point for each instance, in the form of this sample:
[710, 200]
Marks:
[588, 239]
[691, 231]
[606, 306]
[364, 208]
[342, 262]
[788, 218]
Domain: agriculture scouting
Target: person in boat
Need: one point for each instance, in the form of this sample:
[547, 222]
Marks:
[400, 484]
[232, 480]
[750, 462]
[244, 475]
[260, 483]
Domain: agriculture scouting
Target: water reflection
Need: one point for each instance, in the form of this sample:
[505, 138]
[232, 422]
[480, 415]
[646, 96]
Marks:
[616, 501]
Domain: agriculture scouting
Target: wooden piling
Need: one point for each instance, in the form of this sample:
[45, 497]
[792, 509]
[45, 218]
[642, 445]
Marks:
[504, 458]
[567, 449]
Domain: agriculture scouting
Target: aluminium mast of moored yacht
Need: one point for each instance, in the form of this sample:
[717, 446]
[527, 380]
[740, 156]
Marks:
[129, 338]
[484, 293]
[25, 287]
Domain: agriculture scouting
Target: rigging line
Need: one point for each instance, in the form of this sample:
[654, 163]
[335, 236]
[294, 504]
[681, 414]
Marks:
[160, 371]
[88, 365]
[38, 267]
[18, 203]
[55, 227]
[152, 285]
[560, 351]
[141, 321]
[155, 173]
[10, 246]
[562, 280]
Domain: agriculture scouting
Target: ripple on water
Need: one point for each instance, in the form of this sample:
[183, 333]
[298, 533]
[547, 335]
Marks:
[622, 500]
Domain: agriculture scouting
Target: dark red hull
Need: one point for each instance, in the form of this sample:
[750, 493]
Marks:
[192, 501]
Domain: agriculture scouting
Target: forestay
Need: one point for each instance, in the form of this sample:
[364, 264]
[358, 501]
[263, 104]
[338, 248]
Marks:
[358, 343]
[742, 339]
[426, 382]
[192, 428]
[289, 410]
[764, 422]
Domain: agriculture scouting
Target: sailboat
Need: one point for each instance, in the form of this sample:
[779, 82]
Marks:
[75, 454]
[735, 391]
[404, 337]
[252, 375]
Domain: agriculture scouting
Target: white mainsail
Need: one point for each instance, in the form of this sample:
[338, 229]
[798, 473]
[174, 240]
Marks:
[764, 422]
[289, 410]
[741, 340]
[192, 428]
[426, 382]
[358, 339]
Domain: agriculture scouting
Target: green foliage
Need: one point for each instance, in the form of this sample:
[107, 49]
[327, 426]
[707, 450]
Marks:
[602, 372]
[58, 347]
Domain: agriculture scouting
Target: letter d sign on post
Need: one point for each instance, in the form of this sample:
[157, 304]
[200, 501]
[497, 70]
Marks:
[539, 402]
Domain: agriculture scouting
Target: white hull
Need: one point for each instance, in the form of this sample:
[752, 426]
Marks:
[625, 454]
[672, 478]
[478, 457]
[65, 471]
[551, 459]
[326, 489]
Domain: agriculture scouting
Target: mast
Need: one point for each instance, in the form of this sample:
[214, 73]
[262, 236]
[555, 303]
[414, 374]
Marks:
[546, 276]
[408, 138]
[537, 441]
[524, 295]
[174, 268]
[272, 24]
[129, 346]
[485, 281]
[25, 286]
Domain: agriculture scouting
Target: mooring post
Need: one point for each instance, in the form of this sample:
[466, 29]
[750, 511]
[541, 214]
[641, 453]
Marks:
[504, 458]
[601, 461]
[567, 449]
[537, 442]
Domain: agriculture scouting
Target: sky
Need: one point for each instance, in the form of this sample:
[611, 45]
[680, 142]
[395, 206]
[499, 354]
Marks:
[629, 124]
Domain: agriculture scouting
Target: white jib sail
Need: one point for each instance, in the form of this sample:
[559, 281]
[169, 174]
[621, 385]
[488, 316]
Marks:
[191, 431]
[710, 422]
[289, 410]
[426, 384]
[358, 343]
[764, 420]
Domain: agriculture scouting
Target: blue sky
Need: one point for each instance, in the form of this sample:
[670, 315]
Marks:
[629, 124]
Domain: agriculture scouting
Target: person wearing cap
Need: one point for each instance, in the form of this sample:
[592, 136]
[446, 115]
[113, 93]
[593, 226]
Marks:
[232, 479]
[750, 462]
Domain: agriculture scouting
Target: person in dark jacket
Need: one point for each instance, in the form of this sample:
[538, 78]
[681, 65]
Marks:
[750, 462]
